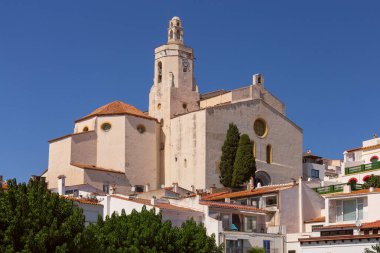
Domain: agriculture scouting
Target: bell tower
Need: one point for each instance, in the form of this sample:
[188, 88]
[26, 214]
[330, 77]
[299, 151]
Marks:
[174, 91]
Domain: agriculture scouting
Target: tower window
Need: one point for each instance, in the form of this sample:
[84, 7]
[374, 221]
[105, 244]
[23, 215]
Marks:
[269, 153]
[158, 106]
[85, 129]
[159, 72]
[178, 35]
[141, 128]
[184, 106]
[171, 34]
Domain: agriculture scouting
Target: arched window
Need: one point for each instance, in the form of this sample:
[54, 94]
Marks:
[185, 163]
[159, 72]
[253, 149]
[178, 35]
[171, 34]
[269, 153]
[85, 129]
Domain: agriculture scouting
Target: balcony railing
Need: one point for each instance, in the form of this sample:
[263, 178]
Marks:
[362, 168]
[336, 188]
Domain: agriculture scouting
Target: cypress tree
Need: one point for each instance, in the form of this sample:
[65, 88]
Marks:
[245, 165]
[227, 160]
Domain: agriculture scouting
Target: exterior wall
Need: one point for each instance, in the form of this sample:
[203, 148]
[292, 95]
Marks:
[289, 209]
[187, 159]
[284, 136]
[307, 167]
[355, 246]
[98, 178]
[59, 164]
[373, 211]
[142, 152]
[90, 212]
[257, 239]
[90, 123]
[217, 100]
[312, 204]
[177, 218]
[83, 148]
[111, 144]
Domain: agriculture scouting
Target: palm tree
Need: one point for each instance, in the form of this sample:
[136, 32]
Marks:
[374, 249]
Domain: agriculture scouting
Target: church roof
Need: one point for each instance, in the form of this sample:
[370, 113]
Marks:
[116, 108]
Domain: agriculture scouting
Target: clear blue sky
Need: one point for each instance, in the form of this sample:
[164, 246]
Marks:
[59, 60]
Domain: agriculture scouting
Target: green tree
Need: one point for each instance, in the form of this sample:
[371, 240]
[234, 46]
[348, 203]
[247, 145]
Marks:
[256, 250]
[229, 150]
[245, 165]
[146, 232]
[32, 219]
[374, 249]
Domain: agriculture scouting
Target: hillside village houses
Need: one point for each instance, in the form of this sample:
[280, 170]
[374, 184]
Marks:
[119, 157]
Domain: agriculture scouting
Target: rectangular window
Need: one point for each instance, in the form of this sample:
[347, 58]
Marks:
[255, 202]
[314, 173]
[250, 224]
[339, 211]
[349, 210]
[266, 244]
[360, 204]
[271, 201]
[226, 222]
[106, 188]
[242, 202]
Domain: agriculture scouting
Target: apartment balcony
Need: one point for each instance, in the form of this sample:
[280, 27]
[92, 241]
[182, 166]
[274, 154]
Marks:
[336, 188]
[362, 168]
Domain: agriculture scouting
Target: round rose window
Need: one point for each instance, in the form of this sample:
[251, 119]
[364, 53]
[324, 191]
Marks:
[260, 127]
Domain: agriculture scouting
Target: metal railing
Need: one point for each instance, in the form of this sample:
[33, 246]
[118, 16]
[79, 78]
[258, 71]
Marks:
[336, 188]
[362, 168]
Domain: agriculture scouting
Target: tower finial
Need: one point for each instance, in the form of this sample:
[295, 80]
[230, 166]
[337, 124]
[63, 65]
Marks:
[175, 31]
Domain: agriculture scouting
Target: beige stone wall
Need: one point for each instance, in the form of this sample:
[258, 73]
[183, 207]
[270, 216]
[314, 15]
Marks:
[90, 123]
[111, 144]
[99, 178]
[284, 136]
[59, 164]
[187, 159]
[217, 100]
[83, 148]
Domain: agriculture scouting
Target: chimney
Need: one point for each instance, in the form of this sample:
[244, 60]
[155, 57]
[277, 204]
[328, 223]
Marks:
[147, 187]
[153, 201]
[175, 187]
[61, 185]
[192, 188]
[212, 189]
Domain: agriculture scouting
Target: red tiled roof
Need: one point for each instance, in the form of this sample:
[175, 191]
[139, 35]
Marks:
[83, 201]
[253, 192]
[232, 206]
[358, 192]
[364, 148]
[338, 237]
[116, 108]
[93, 167]
[147, 202]
[212, 195]
[374, 224]
[317, 219]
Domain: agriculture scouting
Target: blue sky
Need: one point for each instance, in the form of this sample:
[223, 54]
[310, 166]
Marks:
[60, 60]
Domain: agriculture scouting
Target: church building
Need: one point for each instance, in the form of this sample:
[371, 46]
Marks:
[119, 149]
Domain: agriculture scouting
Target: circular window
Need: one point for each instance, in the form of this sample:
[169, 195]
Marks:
[141, 128]
[85, 129]
[260, 127]
[106, 127]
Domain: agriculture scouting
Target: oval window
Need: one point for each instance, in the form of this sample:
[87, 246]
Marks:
[106, 127]
[141, 128]
[260, 127]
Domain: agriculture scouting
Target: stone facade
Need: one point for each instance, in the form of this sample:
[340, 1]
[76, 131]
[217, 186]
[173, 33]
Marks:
[182, 136]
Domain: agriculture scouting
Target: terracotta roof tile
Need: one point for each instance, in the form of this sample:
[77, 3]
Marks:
[338, 237]
[232, 206]
[336, 226]
[212, 195]
[364, 148]
[83, 201]
[358, 192]
[147, 202]
[374, 224]
[93, 167]
[116, 108]
[253, 192]
[317, 219]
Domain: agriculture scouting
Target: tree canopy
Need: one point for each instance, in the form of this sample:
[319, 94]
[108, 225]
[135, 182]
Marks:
[32, 219]
[244, 165]
[229, 150]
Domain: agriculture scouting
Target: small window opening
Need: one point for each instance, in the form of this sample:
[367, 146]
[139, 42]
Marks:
[106, 188]
[106, 127]
[178, 35]
[171, 35]
[159, 72]
[269, 153]
[184, 106]
[141, 128]
[85, 129]
[185, 163]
